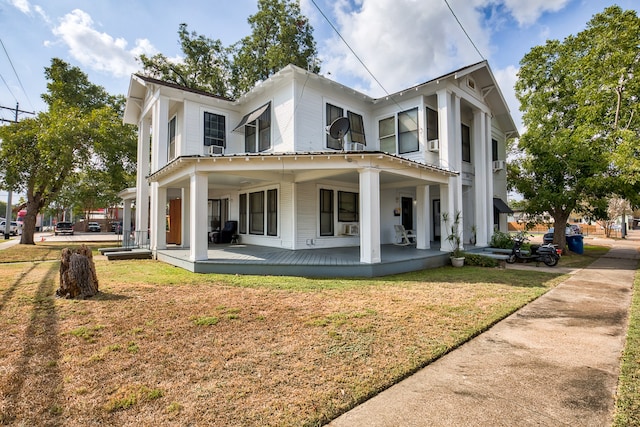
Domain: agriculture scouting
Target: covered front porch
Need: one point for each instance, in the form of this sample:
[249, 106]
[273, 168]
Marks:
[329, 262]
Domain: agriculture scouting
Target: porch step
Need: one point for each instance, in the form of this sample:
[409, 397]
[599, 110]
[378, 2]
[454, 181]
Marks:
[129, 254]
[104, 251]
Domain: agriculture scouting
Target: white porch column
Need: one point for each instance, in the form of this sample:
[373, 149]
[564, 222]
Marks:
[158, 228]
[423, 216]
[489, 193]
[445, 135]
[483, 174]
[160, 124]
[370, 216]
[126, 223]
[186, 218]
[198, 213]
[446, 205]
[142, 186]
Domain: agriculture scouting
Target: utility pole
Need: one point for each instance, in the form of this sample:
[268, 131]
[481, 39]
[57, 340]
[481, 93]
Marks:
[7, 222]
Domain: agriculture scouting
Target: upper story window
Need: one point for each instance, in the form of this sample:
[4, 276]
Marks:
[171, 143]
[214, 130]
[408, 131]
[257, 129]
[387, 133]
[466, 144]
[494, 149]
[432, 124]
[356, 129]
[257, 136]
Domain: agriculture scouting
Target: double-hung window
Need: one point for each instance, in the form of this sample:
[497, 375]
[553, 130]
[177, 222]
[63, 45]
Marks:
[333, 113]
[347, 206]
[171, 143]
[214, 130]
[348, 209]
[466, 144]
[259, 213]
[257, 132]
[387, 133]
[408, 131]
[404, 126]
[326, 212]
[494, 149]
[432, 124]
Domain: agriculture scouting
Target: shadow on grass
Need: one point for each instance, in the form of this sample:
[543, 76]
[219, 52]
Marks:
[35, 380]
[104, 296]
[12, 288]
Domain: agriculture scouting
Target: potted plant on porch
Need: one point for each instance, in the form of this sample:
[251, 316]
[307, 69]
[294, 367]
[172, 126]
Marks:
[454, 238]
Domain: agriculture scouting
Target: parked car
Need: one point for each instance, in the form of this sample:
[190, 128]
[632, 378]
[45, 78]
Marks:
[63, 228]
[116, 227]
[14, 228]
[94, 226]
[570, 230]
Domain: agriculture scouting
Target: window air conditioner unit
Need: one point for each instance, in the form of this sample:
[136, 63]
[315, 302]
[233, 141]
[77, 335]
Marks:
[498, 165]
[354, 146]
[433, 145]
[215, 149]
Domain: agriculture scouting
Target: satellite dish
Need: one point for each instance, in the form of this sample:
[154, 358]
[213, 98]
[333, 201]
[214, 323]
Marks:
[339, 128]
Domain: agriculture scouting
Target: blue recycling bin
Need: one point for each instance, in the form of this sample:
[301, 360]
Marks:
[575, 243]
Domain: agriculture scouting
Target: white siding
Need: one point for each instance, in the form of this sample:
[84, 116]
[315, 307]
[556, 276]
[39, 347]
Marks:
[282, 123]
[309, 115]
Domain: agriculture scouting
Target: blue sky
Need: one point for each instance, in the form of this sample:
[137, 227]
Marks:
[403, 42]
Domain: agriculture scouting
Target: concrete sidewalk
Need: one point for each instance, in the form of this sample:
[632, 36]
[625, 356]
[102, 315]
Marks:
[555, 362]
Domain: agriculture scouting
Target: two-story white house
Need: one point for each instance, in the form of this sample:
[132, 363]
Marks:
[267, 163]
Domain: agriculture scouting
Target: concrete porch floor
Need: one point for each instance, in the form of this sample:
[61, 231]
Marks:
[330, 262]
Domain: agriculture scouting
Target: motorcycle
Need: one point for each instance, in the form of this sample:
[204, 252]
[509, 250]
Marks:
[547, 253]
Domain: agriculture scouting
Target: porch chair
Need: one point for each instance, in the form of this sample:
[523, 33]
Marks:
[227, 232]
[404, 237]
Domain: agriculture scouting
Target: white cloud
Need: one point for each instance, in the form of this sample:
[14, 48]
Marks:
[506, 79]
[403, 42]
[527, 12]
[40, 11]
[97, 50]
[22, 5]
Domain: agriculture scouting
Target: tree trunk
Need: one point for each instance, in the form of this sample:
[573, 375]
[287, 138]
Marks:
[78, 277]
[29, 224]
[560, 224]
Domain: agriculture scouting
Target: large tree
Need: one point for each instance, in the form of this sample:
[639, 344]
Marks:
[280, 36]
[81, 130]
[580, 109]
[205, 65]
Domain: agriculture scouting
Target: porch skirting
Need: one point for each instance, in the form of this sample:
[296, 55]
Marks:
[333, 262]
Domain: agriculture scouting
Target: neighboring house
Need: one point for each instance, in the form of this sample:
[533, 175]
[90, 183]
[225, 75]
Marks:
[266, 161]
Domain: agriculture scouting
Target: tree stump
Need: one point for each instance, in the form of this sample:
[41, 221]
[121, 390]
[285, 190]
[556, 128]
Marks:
[78, 277]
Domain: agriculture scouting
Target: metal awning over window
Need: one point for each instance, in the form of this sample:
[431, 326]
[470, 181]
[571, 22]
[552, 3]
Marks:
[262, 113]
[501, 206]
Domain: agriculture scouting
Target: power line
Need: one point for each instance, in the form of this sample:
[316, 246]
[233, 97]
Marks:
[16, 73]
[349, 47]
[8, 88]
[464, 31]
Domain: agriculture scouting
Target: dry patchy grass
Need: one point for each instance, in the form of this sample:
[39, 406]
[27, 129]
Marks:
[161, 346]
